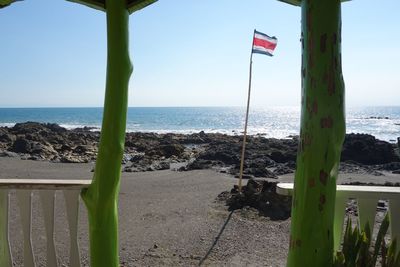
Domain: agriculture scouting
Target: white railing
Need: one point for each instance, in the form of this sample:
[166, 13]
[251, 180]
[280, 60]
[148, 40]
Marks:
[367, 200]
[46, 189]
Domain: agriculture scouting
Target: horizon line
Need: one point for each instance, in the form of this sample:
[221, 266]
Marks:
[55, 107]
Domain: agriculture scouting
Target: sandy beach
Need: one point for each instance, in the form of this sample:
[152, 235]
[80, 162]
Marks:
[167, 218]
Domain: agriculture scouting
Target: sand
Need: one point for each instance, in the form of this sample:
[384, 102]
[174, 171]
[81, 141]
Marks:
[167, 218]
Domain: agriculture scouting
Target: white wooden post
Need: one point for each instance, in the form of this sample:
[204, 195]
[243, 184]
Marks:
[25, 206]
[72, 204]
[47, 189]
[47, 198]
[366, 212]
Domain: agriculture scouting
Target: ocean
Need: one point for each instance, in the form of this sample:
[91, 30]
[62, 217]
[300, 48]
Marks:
[278, 122]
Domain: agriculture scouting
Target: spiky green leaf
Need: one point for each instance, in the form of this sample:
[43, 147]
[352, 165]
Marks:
[380, 238]
[391, 254]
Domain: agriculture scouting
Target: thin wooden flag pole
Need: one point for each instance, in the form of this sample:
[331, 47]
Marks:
[247, 118]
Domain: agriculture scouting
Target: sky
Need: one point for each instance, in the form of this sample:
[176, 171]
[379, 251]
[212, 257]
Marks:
[189, 53]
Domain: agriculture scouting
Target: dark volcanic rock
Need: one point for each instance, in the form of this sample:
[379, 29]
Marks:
[262, 196]
[282, 156]
[264, 157]
[222, 156]
[260, 172]
[365, 149]
[198, 164]
[169, 150]
[6, 137]
[35, 127]
[21, 145]
[284, 169]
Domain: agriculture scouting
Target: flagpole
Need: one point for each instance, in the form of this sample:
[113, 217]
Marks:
[247, 118]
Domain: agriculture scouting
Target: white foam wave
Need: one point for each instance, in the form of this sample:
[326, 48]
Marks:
[7, 124]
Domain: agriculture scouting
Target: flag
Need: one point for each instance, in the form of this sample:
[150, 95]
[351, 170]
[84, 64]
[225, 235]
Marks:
[264, 44]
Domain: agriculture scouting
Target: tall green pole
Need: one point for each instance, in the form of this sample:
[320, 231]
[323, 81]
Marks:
[101, 198]
[321, 135]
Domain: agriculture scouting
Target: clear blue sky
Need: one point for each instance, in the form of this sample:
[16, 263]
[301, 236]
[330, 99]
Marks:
[189, 53]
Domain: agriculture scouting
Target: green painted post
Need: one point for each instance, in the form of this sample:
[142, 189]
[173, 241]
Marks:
[321, 135]
[101, 198]
[5, 254]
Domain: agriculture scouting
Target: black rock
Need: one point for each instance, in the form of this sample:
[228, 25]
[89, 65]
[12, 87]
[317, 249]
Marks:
[7, 137]
[21, 145]
[222, 156]
[282, 156]
[262, 196]
[283, 169]
[167, 150]
[366, 149]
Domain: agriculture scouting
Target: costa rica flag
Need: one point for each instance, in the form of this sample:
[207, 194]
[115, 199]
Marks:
[264, 44]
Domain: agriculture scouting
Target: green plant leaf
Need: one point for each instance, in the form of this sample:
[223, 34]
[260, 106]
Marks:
[384, 253]
[339, 260]
[380, 238]
[397, 261]
[391, 255]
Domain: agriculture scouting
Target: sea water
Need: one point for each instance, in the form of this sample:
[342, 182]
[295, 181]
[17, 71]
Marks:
[278, 122]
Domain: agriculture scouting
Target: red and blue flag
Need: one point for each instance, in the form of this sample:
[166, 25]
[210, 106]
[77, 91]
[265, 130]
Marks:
[264, 44]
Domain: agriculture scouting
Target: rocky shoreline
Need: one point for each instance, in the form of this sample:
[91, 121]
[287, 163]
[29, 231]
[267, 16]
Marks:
[265, 157]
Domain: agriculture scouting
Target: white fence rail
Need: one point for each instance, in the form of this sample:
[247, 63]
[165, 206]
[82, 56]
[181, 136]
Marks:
[47, 193]
[367, 200]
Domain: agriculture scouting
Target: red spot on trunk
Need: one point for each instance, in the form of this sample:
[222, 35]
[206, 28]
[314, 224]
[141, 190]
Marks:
[323, 177]
[326, 122]
[315, 107]
[312, 108]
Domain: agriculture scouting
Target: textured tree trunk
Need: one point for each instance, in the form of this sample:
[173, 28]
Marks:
[321, 135]
[101, 198]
